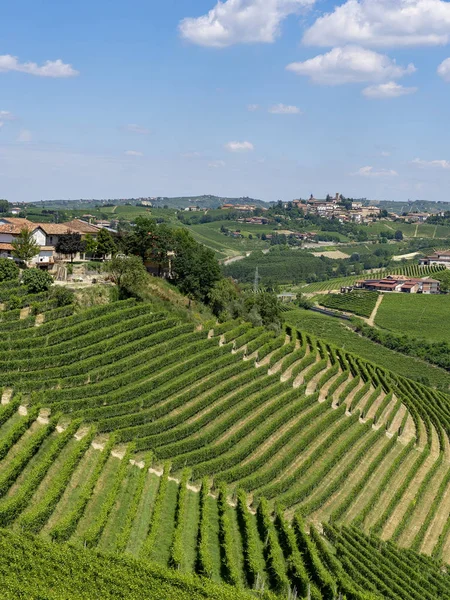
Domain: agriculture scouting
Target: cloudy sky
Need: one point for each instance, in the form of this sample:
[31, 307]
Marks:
[266, 98]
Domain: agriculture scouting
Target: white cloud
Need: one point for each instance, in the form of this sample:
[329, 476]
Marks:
[1, 124]
[444, 70]
[240, 22]
[133, 153]
[371, 172]
[239, 146]
[383, 23]
[5, 115]
[134, 128]
[385, 153]
[283, 109]
[217, 164]
[253, 107]
[442, 164]
[350, 64]
[24, 136]
[388, 90]
[51, 68]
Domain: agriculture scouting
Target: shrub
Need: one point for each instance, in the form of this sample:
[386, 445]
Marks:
[8, 270]
[62, 296]
[36, 281]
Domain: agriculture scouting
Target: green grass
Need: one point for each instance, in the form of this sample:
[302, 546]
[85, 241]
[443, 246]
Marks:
[190, 532]
[419, 315]
[163, 541]
[104, 484]
[144, 513]
[74, 489]
[338, 332]
[113, 527]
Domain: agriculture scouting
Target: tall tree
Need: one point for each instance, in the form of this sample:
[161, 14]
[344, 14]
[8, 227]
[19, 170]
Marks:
[70, 244]
[24, 246]
[4, 206]
[195, 267]
[105, 243]
[90, 245]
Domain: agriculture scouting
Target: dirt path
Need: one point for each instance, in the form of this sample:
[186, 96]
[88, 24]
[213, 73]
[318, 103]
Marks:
[371, 320]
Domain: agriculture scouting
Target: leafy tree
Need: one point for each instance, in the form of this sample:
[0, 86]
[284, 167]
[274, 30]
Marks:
[8, 270]
[128, 273]
[398, 235]
[36, 280]
[140, 240]
[90, 244]
[222, 297]
[105, 243]
[25, 246]
[265, 305]
[195, 267]
[70, 244]
[4, 206]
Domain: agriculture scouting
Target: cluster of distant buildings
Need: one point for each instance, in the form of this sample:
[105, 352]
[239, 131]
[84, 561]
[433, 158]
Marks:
[335, 208]
[45, 235]
[401, 283]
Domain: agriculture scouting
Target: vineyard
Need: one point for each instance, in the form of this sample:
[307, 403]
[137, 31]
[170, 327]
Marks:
[336, 284]
[359, 303]
[270, 462]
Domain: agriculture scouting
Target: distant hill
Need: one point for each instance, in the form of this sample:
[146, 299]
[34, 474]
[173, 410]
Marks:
[205, 201]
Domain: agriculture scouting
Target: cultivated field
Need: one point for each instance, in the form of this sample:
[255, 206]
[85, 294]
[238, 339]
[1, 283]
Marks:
[213, 450]
[419, 315]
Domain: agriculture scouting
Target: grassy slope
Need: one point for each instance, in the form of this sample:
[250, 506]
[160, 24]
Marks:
[418, 315]
[336, 331]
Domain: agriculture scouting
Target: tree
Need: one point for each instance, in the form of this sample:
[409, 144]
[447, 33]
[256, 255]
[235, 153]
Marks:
[195, 267]
[128, 273]
[398, 235]
[221, 298]
[4, 206]
[90, 245]
[36, 281]
[105, 243]
[70, 244]
[8, 270]
[25, 246]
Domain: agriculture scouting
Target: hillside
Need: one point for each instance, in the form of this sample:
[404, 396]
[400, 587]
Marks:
[129, 429]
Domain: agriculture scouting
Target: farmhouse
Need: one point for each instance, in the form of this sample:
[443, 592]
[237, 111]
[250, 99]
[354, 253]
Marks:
[402, 284]
[440, 257]
[46, 236]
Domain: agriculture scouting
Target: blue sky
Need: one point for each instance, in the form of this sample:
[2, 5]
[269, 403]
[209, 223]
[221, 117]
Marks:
[266, 98]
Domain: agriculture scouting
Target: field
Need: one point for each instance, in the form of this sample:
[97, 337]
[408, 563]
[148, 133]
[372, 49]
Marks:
[212, 450]
[419, 315]
[358, 303]
[412, 230]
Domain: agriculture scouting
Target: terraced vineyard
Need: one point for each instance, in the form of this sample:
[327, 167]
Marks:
[337, 283]
[205, 449]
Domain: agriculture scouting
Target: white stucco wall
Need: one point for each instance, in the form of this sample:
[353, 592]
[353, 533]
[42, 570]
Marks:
[39, 237]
